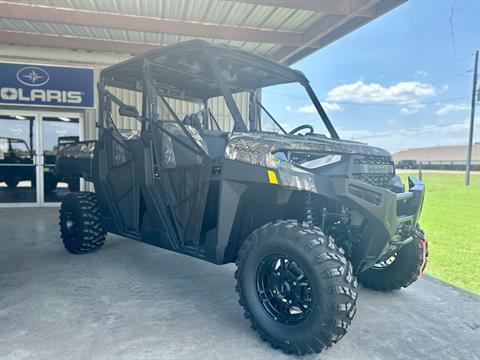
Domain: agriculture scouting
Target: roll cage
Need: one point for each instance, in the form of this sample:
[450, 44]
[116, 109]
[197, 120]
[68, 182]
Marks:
[11, 141]
[196, 71]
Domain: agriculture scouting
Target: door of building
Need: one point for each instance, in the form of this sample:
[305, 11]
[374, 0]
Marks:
[28, 148]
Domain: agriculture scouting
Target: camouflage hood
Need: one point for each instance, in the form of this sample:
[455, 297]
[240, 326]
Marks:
[258, 148]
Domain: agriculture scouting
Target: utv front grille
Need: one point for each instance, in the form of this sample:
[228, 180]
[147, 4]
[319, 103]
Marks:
[373, 170]
[375, 160]
[376, 180]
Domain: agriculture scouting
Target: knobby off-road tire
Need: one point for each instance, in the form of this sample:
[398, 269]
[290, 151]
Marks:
[332, 296]
[80, 223]
[406, 267]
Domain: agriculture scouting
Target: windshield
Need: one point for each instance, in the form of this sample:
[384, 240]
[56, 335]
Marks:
[208, 87]
[280, 109]
[290, 106]
[237, 91]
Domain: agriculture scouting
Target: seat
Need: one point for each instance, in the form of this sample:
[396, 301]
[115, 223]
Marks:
[177, 154]
[216, 142]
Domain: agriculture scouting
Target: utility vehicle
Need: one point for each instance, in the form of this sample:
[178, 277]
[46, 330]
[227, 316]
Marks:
[15, 152]
[302, 214]
[407, 164]
[52, 178]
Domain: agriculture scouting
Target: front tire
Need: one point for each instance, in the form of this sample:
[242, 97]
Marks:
[401, 269]
[311, 302]
[80, 223]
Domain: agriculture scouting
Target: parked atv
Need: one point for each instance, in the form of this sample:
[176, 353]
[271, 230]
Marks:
[301, 214]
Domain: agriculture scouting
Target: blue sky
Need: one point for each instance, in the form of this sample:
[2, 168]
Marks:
[403, 80]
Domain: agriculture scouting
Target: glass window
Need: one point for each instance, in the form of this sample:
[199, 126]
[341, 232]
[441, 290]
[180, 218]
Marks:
[291, 106]
[19, 148]
[3, 145]
[17, 171]
[58, 130]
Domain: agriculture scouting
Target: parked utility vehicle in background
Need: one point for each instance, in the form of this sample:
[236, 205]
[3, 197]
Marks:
[13, 154]
[301, 214]
[52, 178]
[407, 164]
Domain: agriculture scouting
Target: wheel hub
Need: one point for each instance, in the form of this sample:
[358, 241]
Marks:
[283, 289]
[70, 224]
[385, 262]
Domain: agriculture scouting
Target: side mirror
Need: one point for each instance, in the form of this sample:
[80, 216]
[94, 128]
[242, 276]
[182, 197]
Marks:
[128, 110]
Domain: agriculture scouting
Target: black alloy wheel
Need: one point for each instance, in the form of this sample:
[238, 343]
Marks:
[283, 289]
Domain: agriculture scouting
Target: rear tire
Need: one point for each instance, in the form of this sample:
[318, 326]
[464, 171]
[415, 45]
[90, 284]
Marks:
[80, 223]
[325, 287]
[407, 267]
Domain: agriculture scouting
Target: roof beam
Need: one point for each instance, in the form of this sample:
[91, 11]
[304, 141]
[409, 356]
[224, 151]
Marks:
[322, 29]
[66, 16]
[335, 7]
[74, 43]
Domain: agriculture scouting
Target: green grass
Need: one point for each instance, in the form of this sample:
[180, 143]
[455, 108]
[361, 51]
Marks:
[451, 220]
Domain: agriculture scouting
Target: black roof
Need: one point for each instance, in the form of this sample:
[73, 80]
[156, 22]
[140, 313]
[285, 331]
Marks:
[182, 70]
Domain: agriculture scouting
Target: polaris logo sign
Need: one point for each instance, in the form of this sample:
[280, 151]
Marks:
[32, 76]
[44, 85]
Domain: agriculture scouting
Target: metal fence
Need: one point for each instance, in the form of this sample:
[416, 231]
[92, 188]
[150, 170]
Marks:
[447, 165]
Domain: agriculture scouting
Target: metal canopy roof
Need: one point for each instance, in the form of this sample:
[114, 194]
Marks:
[183, 70]
[283, 30]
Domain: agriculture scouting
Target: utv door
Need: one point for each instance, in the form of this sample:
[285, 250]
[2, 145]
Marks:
[119, 179]
[118, 163]
[181, 175]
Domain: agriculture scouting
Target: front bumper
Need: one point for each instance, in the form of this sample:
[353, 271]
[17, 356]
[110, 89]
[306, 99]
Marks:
[392, 217]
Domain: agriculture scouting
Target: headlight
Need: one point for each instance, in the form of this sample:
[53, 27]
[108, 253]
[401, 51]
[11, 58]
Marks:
[310, 160]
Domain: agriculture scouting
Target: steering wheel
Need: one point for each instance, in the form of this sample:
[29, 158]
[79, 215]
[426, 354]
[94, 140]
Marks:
[301, 127]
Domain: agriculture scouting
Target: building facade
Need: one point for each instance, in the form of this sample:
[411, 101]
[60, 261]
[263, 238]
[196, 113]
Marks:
[48, 97]
[51, 54]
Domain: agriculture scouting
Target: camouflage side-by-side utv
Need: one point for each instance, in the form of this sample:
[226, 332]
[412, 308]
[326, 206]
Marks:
[302, 214]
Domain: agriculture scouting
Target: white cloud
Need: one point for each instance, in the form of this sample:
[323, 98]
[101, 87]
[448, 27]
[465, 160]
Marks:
[327, 106]
[448, 108]
[271, 126]
[391, 121]
[428, 135]
[408, 111]
[402, 93]
[307, 109]
[411, 109]
[288, 108]
[331, 106]
[287, 127]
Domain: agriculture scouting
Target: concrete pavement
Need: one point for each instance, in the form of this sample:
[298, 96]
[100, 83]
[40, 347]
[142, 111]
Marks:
[134, 301]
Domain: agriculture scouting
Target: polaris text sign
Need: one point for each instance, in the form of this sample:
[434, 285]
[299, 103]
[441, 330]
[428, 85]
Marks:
[45, 85]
